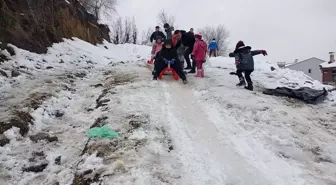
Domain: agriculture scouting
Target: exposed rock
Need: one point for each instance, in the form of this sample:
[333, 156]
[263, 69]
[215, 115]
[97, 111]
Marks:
[37, 156]
[59, 114]
[102, 103]
[3, 73]
[36, 99]
[3, 58]
[58, 160]
[43, 136]
[49, 67]
[18, 119]
[70, 76]
[3, 140]
[35, 25]
[80, 179]
[137, 121]
[80, 75]
[15, 73]
[99, 122]
[9, 49]
[35, 168]
[98, 85]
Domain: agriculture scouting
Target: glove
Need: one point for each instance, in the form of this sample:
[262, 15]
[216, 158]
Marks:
[237, 62]
[263, 52]
[231, 55]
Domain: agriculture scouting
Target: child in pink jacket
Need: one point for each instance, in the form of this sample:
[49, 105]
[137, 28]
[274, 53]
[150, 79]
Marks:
[199, 54]
[157, 46]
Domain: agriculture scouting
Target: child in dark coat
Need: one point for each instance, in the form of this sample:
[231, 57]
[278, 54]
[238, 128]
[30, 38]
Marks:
[245, 63]
[168, 53]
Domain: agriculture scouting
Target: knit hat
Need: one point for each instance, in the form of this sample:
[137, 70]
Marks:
[168, 41]
[240, 44]
[198, 36]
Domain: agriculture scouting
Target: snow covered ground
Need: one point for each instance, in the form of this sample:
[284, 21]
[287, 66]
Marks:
[206, 132]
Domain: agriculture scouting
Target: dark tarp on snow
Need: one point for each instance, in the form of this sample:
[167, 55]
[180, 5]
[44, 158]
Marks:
[305, 94]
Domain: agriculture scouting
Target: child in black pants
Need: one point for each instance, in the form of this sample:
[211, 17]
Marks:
[245, 63]
[168, 54]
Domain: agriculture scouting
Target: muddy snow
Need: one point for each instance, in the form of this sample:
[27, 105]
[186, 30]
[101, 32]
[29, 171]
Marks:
[206, 132]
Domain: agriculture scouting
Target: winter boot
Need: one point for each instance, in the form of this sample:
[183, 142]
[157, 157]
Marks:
[185, 81]
[154, 77]
[241, 82]
[202, 73]
[188, 65]
[249, 86]
[193, 67]
[198, 73]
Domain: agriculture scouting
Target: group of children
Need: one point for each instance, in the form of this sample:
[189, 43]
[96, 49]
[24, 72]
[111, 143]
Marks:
[178, 46]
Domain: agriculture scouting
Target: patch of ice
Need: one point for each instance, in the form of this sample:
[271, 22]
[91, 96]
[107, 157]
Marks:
[92, 162]
[12, 133]
[138, 135]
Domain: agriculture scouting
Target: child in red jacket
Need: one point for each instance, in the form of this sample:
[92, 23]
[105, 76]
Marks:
[199, 54]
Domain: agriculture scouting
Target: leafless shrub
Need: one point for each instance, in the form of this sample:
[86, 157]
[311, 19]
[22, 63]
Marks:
[163, 17]
[145, 40]
[221, 34]
[98, 7]
[124, 31]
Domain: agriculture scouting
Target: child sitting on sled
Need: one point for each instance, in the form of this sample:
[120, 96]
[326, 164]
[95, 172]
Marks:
[168, 54]
[245, 63]
[157, 46]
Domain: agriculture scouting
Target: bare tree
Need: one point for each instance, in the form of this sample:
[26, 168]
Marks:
[118, 31]
[220, 34]
[134, 32]
[100, 6]
[127, 30]
[145, 40]
[124, 31]
[163, 17]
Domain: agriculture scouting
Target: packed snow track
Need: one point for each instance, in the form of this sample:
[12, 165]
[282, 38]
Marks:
[208, 132]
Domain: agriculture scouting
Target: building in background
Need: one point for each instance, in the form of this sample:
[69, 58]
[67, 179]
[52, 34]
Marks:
[328, 70]
[310, 67]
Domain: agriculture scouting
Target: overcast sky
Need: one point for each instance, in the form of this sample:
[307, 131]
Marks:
[287, 29]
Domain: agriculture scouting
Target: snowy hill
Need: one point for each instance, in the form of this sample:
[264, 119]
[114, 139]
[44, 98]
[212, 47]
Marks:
[206, 132]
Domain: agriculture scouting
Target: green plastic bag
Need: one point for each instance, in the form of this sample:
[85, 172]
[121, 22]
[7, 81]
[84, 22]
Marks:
[104, 132]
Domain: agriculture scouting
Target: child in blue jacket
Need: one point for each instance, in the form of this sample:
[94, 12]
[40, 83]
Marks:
[213, 48]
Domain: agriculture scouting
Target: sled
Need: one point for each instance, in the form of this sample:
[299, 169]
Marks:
[175, 75]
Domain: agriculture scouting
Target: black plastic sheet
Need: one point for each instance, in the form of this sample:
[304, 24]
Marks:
[306, 94]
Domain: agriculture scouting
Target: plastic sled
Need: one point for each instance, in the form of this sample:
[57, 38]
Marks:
[175, 75]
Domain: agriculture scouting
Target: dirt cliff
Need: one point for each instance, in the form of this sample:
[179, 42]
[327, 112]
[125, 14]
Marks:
[35, 25]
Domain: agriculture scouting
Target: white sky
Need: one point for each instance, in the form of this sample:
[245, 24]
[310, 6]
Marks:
[287, 29]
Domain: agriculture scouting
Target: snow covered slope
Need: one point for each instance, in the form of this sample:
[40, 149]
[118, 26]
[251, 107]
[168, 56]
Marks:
[206, 132]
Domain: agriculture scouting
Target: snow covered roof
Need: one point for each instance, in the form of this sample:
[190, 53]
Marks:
[328, 64]
[292, 64]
